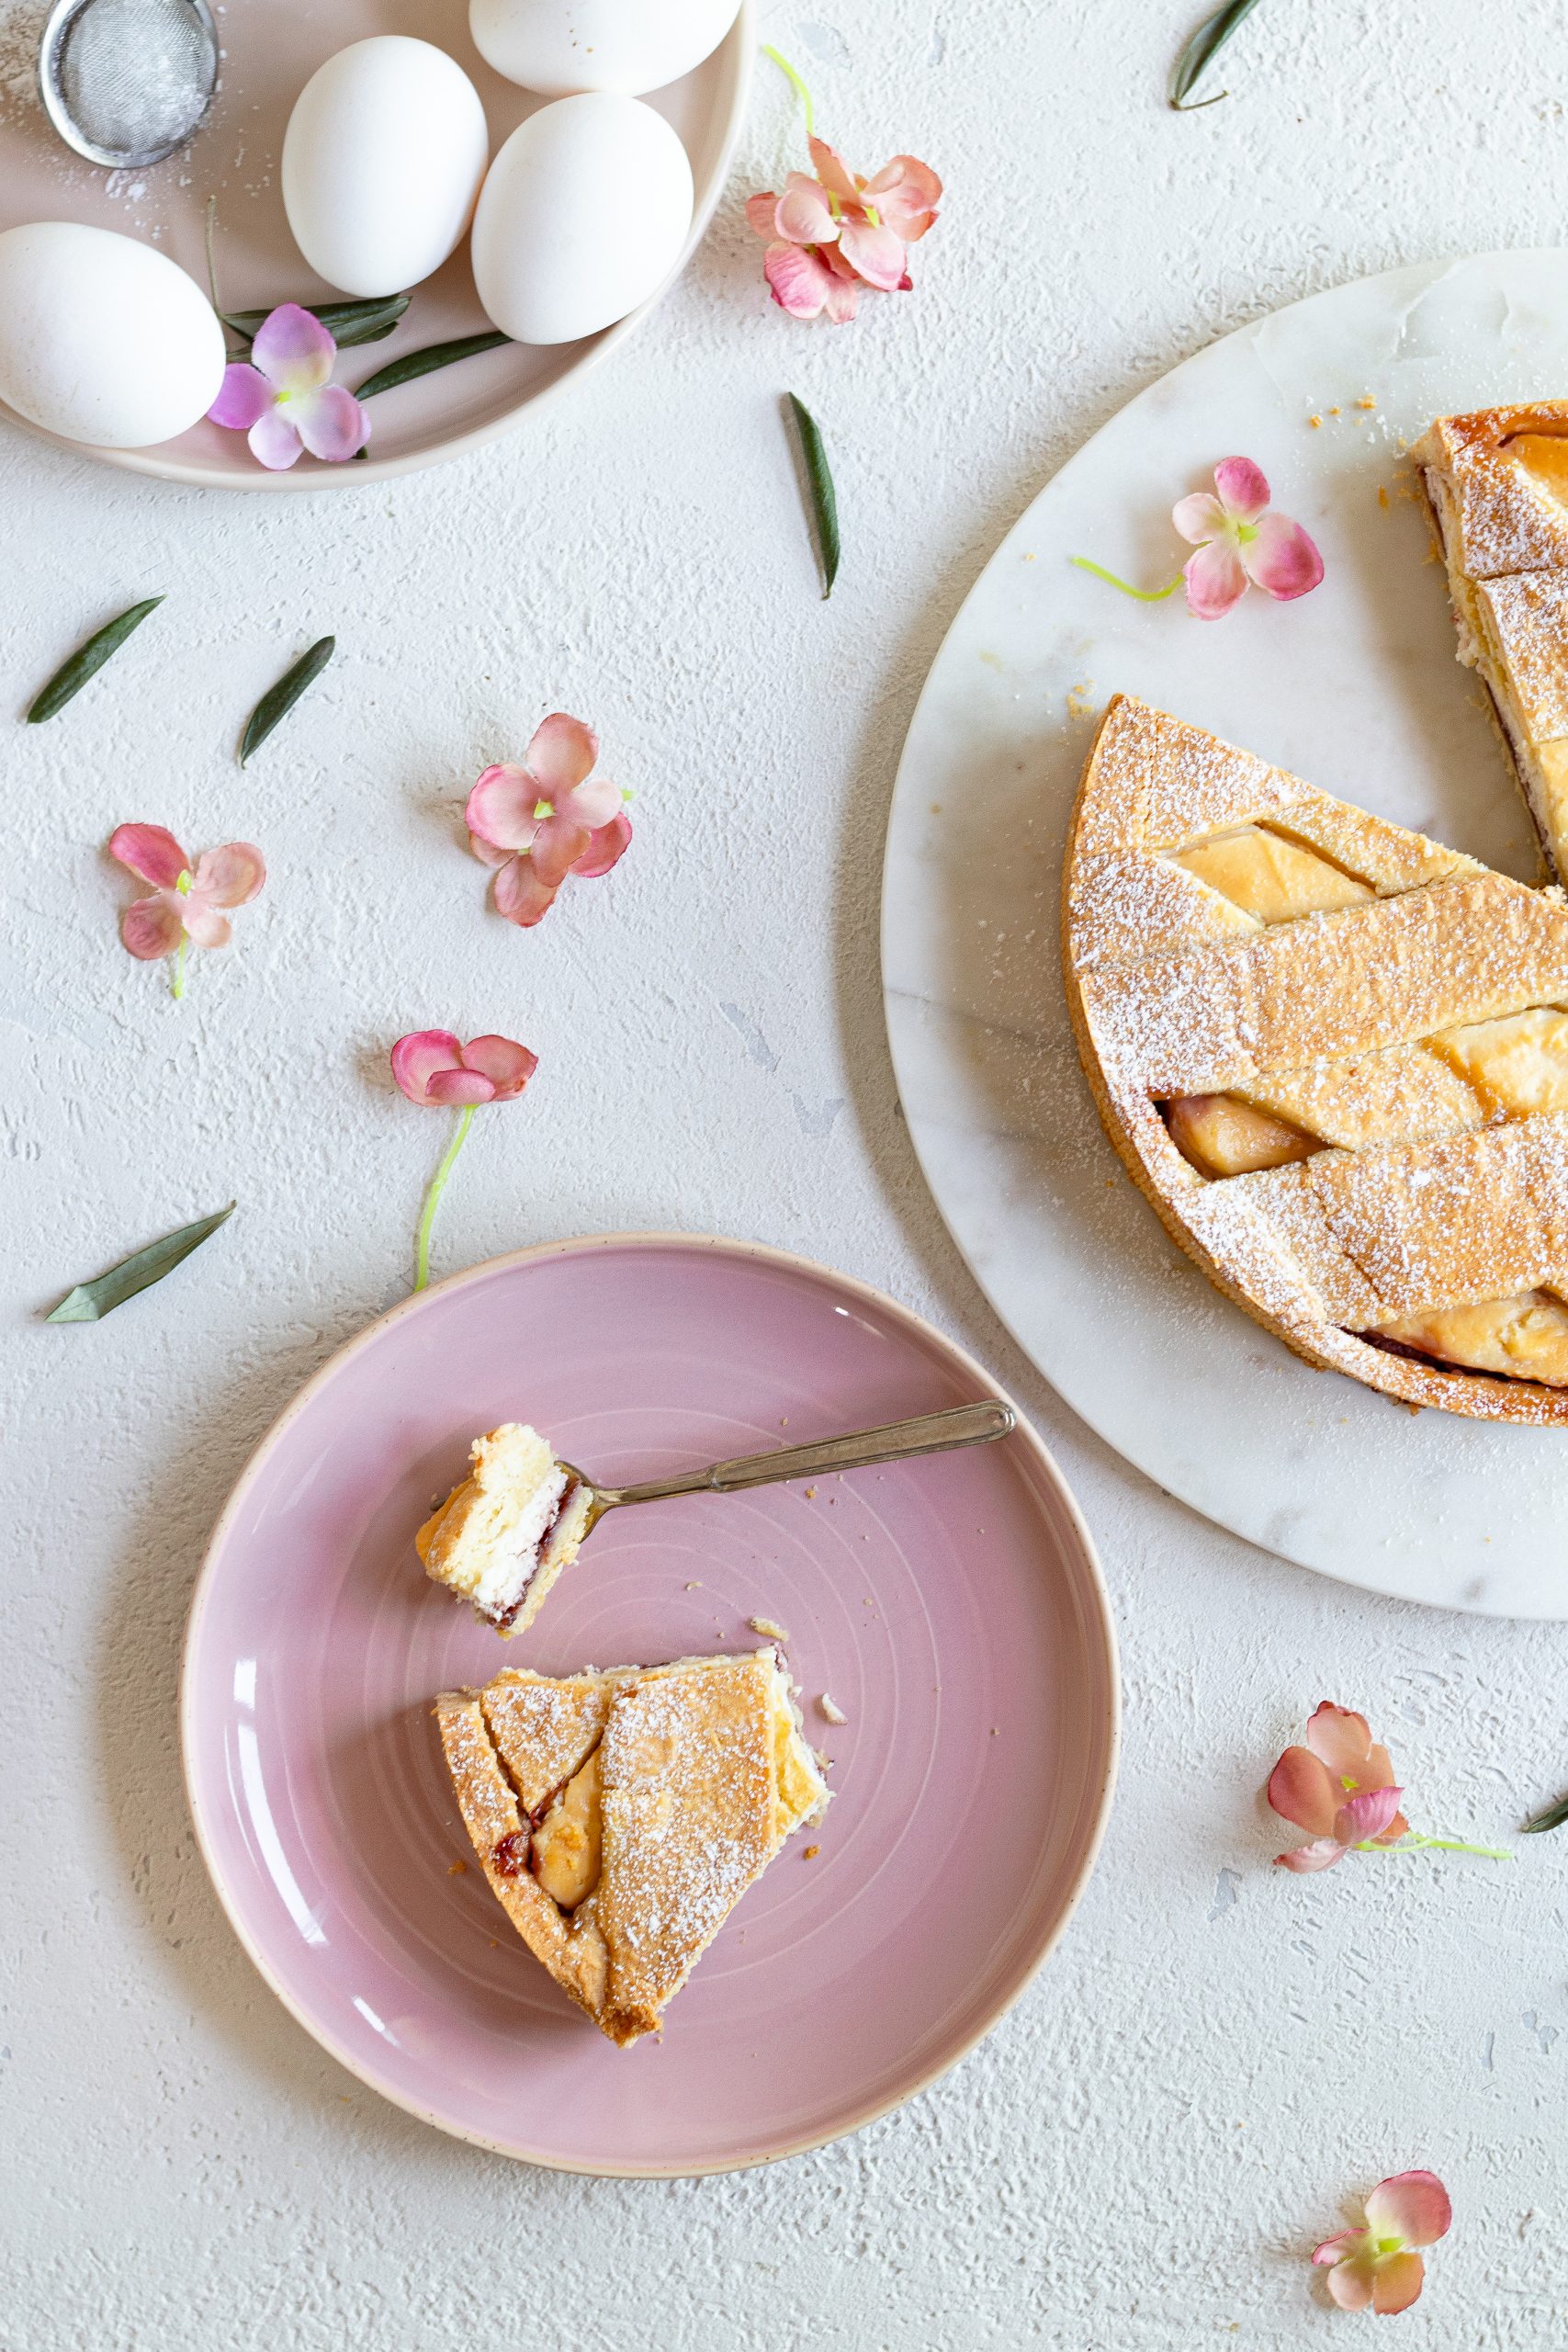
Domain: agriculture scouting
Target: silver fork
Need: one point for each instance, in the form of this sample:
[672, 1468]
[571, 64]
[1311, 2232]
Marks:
[894, 1441]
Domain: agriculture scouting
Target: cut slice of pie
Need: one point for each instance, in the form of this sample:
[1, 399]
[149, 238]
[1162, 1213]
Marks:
[620, 1817]
[1497, 486]
[505, 1531]
[1335, 1056]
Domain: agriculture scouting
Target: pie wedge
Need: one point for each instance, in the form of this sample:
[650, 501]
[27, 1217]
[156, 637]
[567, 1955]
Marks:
[1497, 486]
[1334, 1054]
[620, 1817]
[505, 1531]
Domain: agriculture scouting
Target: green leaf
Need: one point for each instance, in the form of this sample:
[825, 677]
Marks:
[1199, 53]
[280, 700]
[347, 323]
[414, 364]
[87, 661]
[1552, 1818]
[824, 498]
[90, 1302]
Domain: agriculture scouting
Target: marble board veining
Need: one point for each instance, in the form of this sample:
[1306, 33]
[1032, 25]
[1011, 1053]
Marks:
[1354, 687]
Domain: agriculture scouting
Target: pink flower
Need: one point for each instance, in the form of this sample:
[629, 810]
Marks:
[546, 818]
[1239, 538]
[1377, 2266]
[835, 233]
[184, 903]
[432, 1067]
[1340, 1787]
[285, 400]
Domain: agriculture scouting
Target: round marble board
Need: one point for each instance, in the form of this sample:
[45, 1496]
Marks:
[1356, 688]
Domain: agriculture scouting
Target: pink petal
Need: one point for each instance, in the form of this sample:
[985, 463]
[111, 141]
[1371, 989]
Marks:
[1367, 1815]
[151, 851]
[592, 804]
[906, 193]
[520, 895]
[1336, 2249]
[876, 254]
[1397, 2279]
[293, 349]
[506, 1064]
[1282, 559]
[154, 927]
[1343, 1739]
[799, 278]
[761, 212]
[804, 215]
[1215, 579]
[1300, 1789]
[557, 845]
[1377, 1772]
[561, 756]
[488, 853]
[1413, 2206]
[204, 926]
[1198, 517]
[1321, 1855]
[330, 422]
[841, 300]
[1350, 2284]
[459, 1086]
[833, 172]
[229, 877]
[500, 808]
[244, 395]
[274, 442]
[1244, 491]
[418, 1057]
[607, 848]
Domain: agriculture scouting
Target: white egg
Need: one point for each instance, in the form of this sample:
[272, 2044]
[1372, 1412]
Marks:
[559, 46]
[382, 159]
[582, 217]
[103, 339]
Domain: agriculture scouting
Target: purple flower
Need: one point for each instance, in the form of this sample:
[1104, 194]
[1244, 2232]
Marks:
[285, 400]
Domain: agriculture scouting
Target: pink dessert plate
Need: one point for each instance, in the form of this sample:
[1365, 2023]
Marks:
[952, 1609]
[269, 51]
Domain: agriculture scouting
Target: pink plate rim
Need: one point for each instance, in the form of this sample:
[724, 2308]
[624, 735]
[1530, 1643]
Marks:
[767, 1253]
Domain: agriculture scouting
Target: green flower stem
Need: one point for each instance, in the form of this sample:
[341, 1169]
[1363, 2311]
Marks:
[1415, 1842]
[1143, 596]
[793, 78]
[432, 1198]
[177, 982]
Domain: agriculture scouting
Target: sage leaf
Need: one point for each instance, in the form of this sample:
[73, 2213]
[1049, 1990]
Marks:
[346, 322]
[1199, 53]
[1552, 1818]
[87, 661]
[280, 700]
[824, 498]
[90, 1302]
[413, 364]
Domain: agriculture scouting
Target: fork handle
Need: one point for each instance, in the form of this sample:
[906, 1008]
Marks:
[894, 1441]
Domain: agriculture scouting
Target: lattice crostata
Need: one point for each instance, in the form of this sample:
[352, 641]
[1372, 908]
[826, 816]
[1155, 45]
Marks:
[1335, 1056]
[1497, 486]
[505, 1531]
[620, 1817]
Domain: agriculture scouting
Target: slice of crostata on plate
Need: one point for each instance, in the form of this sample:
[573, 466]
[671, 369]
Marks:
[1334, 1054]
[621, 1815]
[1497, 484]
[505, 1531]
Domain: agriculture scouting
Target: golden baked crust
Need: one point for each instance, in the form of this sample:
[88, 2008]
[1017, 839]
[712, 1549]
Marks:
[1497, 484]
[1414, 1034]
[698, 1773]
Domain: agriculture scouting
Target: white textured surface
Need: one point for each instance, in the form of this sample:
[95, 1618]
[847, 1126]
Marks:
[1139, 2158]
